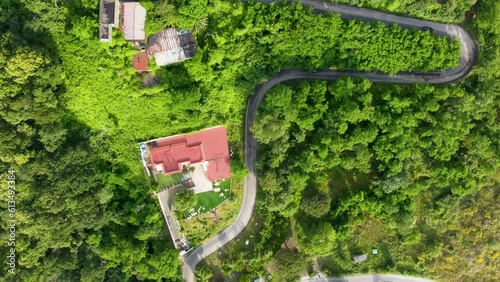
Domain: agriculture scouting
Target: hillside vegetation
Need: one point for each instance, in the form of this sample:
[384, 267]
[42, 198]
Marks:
[451, 11]
[410, 170]
[72, 110]
[351, 166]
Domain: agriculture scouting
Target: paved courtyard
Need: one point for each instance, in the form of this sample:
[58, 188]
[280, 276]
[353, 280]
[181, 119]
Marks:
[201, 183]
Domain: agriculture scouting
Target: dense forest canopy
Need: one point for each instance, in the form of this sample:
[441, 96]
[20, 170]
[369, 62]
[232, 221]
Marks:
[410, 170]
[407, 169]
[451, 11]
[427, 150]
[72, 110]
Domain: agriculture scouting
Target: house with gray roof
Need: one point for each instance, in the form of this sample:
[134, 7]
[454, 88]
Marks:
[129, 16]
[171, 46]
[108, 18]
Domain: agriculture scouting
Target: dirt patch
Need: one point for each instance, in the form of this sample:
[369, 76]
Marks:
[471, 14]
[151, 80]
[290, 243]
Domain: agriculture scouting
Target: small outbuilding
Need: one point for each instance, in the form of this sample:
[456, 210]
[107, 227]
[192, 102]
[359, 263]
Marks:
[140, 62]
[360, 258]
[129, 16]
[108, 18]
[133, 21]
[171, 46]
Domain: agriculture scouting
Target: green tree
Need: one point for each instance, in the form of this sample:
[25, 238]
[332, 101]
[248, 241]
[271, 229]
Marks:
[184, 200]
[316, 238]
[52, 136]
[289, 265]
[269, 128]
[316, 205]
[203, 273]
[394, 183]
[24, 64]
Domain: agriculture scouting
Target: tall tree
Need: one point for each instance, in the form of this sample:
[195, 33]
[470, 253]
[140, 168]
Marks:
[289, 264]
[184, 200]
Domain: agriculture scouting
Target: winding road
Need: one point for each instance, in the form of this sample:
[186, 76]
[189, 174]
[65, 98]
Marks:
[369, 278]
[468, 57]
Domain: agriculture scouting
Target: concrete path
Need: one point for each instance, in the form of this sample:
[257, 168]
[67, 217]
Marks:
[166, 198]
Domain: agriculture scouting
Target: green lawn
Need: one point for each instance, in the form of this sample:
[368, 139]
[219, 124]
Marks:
[211, 199]
[225, 185]
[342, 182]
[168, 180]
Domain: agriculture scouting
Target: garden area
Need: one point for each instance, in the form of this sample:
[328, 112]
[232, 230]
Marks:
[206, 224]
[209, 200]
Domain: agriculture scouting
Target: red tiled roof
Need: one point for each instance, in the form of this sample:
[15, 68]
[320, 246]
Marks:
[172, 156]
[207, 145]
[140, 61]
[218, 169]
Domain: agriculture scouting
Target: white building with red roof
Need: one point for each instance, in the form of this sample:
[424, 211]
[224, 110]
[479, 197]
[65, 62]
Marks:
[175, 154]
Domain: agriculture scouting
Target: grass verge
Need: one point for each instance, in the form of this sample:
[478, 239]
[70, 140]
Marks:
[168, 180]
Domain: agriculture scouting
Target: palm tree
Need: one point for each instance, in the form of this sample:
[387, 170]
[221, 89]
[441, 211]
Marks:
[201, 25]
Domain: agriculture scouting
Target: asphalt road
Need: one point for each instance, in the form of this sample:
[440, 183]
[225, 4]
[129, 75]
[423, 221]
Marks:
[468, 57]
[189, 264]
[369, 278]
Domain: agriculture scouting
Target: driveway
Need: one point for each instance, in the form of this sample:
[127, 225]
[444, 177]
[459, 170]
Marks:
[165, 197]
